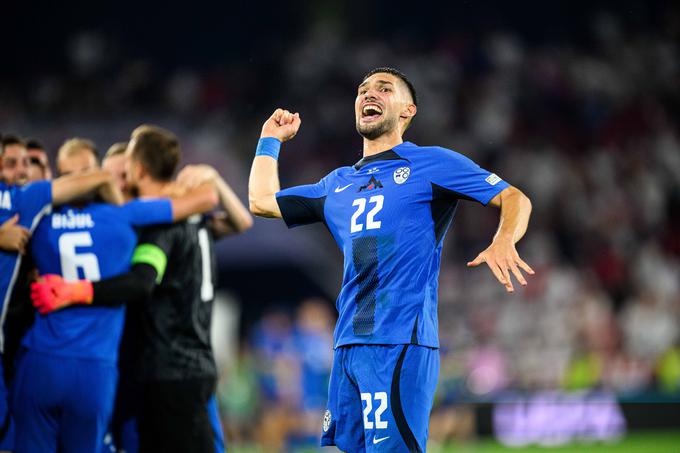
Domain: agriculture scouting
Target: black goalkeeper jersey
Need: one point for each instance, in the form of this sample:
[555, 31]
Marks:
[177, 316]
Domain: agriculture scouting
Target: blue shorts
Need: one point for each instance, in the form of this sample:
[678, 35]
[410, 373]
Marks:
[380, 398]
[62, 403]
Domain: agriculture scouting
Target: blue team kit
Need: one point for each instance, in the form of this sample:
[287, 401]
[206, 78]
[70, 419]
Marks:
[30, 202]
[75, 350]
[389, 214]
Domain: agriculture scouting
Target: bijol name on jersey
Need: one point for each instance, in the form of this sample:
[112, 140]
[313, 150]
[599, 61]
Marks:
[71, 220]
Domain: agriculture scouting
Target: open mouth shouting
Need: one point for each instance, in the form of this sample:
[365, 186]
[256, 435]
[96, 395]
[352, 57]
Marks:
[370, 112]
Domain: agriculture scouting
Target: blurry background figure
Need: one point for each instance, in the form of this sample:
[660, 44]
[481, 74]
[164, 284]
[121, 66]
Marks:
[14, 163]
[313, 339]
[291, 359]
[38, 160]
[114, 163]
[278, 375]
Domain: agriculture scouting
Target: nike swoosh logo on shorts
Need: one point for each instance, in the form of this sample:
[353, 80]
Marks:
[377, 441]
[340, 189]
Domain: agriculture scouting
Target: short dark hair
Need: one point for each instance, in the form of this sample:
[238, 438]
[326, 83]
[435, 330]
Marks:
[158, 151]
[11, 139]
[397, 73]
[34, 143]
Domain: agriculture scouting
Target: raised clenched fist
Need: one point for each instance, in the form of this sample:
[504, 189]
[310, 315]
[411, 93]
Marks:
[282, 125]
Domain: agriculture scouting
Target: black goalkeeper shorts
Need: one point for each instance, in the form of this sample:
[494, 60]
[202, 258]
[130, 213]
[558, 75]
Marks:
[174, 417]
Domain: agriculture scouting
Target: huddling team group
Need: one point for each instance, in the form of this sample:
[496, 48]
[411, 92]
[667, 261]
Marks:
[84, 379]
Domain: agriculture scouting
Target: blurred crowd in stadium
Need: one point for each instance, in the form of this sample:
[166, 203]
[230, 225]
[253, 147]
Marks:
[588, 128]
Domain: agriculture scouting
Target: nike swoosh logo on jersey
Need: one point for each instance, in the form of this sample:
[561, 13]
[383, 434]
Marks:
[340, 189]
[377, 441]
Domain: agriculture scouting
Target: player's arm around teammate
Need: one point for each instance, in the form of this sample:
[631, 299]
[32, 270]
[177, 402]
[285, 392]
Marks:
[264, 174]
[14, 237]
[205, 186]
[501, 256]
[71, 187]
[234, 217]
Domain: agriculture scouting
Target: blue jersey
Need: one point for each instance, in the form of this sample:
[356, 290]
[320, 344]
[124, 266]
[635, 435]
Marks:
[31, 202]
[389, 214]
[93, 242]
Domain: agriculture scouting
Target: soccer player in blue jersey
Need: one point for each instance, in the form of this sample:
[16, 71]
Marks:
[24, 207]
[66, 378]
[389, 214]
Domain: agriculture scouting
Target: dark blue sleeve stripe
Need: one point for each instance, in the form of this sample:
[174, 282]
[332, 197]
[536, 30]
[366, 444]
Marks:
[296, 210]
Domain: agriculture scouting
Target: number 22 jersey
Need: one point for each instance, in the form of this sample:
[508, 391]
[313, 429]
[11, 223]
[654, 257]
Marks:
[389, 214]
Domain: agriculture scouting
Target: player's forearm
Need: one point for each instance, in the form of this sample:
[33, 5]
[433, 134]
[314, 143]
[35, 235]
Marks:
[69, 188]
[263, 186]
[197, 201]
[515, 212]
[136, 285]
[238, 216]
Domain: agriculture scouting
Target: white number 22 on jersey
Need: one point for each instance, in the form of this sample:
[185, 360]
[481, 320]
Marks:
[371, 223]
[71, 260]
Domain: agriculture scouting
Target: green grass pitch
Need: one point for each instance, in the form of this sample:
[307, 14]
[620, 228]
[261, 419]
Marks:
[636, 442]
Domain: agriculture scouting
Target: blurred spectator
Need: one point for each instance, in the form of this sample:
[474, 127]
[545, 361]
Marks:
[39, 164]
[14, 164]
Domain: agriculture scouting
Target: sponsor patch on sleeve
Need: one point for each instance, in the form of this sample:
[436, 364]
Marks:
[493, 179]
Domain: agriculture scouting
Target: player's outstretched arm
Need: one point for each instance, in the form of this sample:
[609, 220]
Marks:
[51, 292]
[235, 216]
[71, 187]
[264, 174]
[197, 200]
[501, 256]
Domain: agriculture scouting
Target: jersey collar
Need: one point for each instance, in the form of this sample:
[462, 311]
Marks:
[390, 154]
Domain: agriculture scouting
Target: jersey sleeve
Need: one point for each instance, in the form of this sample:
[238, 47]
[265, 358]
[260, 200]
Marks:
[302, 205]
[153, 248]
[459, 177]
[35, 199]
[148, 212]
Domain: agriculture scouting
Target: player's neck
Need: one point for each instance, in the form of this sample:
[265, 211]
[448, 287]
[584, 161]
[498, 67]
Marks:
[382, 143]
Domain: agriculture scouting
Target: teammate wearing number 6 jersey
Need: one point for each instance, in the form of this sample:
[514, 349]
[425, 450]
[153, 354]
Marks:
[173, 275]
[66, 377]
[389, 214]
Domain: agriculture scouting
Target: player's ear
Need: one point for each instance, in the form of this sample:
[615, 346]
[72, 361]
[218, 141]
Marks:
[409, 111]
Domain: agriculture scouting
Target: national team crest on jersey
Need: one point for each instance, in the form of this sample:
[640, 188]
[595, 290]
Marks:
[326, 421]
[372, 184]
[401, 174]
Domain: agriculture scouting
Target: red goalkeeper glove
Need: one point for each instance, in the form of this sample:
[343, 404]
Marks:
[51, 293]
